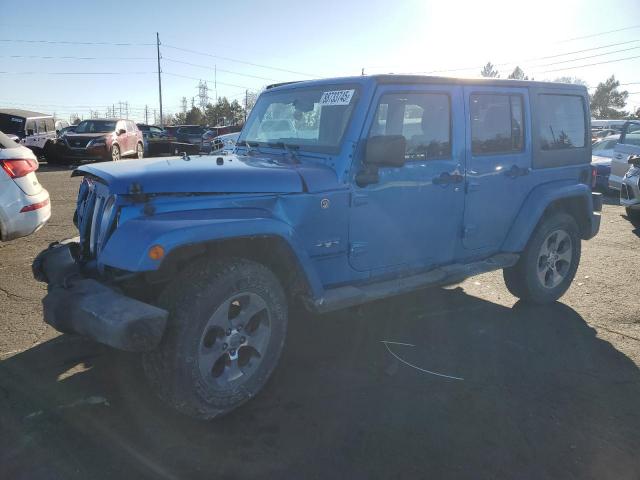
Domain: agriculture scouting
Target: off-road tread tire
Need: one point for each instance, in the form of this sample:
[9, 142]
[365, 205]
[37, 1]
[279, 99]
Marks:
[172, 370]
[521, 279]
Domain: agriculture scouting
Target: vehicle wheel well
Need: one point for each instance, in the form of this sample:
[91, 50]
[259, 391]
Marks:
[576, 207]
[269, 250]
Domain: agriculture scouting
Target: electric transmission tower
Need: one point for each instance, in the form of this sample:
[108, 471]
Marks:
[203, 94]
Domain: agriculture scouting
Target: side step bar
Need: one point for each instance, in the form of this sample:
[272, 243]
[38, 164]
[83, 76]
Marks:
[348, 296]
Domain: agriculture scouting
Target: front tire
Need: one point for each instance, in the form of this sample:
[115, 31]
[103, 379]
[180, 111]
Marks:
[139, 151]
[228, 322]
[549, 263]
[115, 153]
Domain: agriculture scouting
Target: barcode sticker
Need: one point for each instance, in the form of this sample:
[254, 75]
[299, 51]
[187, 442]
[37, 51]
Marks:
[337, 97]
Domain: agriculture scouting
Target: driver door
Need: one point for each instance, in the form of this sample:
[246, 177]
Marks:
[411, 218]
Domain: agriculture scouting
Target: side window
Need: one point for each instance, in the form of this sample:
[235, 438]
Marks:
[497, 124]
[561, 121]
[31, 127]
[424, 119]
[42, 125]
[631, 134]
[50, 125]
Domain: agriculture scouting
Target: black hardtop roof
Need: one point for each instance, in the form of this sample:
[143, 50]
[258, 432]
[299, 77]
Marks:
[426, 79]
[484, 81]
[17, 112]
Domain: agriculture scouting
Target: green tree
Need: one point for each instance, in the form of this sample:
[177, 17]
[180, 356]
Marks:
[194, 116]
[607, 101]
[489, 71]
[518, 74]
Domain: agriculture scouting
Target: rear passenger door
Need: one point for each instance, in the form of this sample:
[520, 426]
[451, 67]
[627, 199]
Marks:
[498, 163]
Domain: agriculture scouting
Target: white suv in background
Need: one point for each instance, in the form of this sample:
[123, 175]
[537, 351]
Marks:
[24, 204]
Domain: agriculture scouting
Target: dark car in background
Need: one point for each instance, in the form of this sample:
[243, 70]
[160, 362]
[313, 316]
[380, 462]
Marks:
[100, 139]
[155, 139]
[190, 134]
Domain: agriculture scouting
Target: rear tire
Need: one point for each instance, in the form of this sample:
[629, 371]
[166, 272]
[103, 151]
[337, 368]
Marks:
[139, 150]
[549, 263]
[227, 326]
[633, 214]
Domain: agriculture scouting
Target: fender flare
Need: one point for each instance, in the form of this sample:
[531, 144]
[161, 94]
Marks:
[535, 206]
[128, 246]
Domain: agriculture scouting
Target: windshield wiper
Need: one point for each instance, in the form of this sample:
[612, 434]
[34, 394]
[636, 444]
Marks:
[291, 149]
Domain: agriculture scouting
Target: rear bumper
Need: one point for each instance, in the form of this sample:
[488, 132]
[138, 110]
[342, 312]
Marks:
[78, 304]
[17, 223]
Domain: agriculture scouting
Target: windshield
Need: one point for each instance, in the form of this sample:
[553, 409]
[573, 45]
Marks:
[96, 126]
[313, 119]
[11, 124]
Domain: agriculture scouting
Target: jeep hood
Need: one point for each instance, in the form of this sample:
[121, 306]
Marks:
[204, 174]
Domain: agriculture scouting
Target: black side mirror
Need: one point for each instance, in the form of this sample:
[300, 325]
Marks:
[122, 131]
[634, 160]
[385, 151]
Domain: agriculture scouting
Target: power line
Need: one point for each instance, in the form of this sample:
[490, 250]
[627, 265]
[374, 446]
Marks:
[585, 58]
[590, 64]
[229, 59]
[219, 69]
[76, 73]
[195, 78]
[599, 34]
[62, 42]
[48, 57]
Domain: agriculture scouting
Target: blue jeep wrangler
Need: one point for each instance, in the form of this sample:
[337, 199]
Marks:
[339, 192]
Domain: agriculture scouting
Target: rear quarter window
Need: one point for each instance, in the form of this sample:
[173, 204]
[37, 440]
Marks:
[560, 120]
[631, 135]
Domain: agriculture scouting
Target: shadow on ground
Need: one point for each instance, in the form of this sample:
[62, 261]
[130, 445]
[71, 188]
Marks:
[542, 397]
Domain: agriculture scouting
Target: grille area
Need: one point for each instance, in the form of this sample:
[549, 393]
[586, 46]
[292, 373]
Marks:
[77, 142]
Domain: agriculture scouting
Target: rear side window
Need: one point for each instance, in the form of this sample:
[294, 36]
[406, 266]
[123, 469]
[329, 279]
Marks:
[496, 124]
[31, 127]
[561, 121]
[424, 119]
[631, 134]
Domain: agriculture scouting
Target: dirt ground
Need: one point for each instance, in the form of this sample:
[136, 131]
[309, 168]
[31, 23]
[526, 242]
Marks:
[529, 392]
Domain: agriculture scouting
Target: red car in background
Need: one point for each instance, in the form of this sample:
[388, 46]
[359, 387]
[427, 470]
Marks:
[100, 139]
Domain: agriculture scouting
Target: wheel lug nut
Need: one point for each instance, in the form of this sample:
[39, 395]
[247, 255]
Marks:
[224, 346]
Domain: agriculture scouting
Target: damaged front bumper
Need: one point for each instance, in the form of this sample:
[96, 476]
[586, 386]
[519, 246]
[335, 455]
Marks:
[76, 303]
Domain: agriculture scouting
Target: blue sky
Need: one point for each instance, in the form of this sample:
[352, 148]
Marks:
[314, 39]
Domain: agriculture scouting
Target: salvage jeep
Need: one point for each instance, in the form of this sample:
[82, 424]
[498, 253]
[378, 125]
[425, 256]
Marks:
[339, 192]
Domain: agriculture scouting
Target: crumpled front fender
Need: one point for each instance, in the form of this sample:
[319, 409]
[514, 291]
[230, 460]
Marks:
[128, 247]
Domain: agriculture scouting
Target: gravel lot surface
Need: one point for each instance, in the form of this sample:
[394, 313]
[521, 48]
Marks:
[540, 392]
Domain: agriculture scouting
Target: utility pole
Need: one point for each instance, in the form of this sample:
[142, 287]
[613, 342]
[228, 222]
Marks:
[126, 110]
[146, 114]
[363, 71]
[159, 77]
[215, 81]
[246, 102]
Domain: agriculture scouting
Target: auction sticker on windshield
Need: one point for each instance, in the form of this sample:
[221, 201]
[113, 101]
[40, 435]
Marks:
[336, 97]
